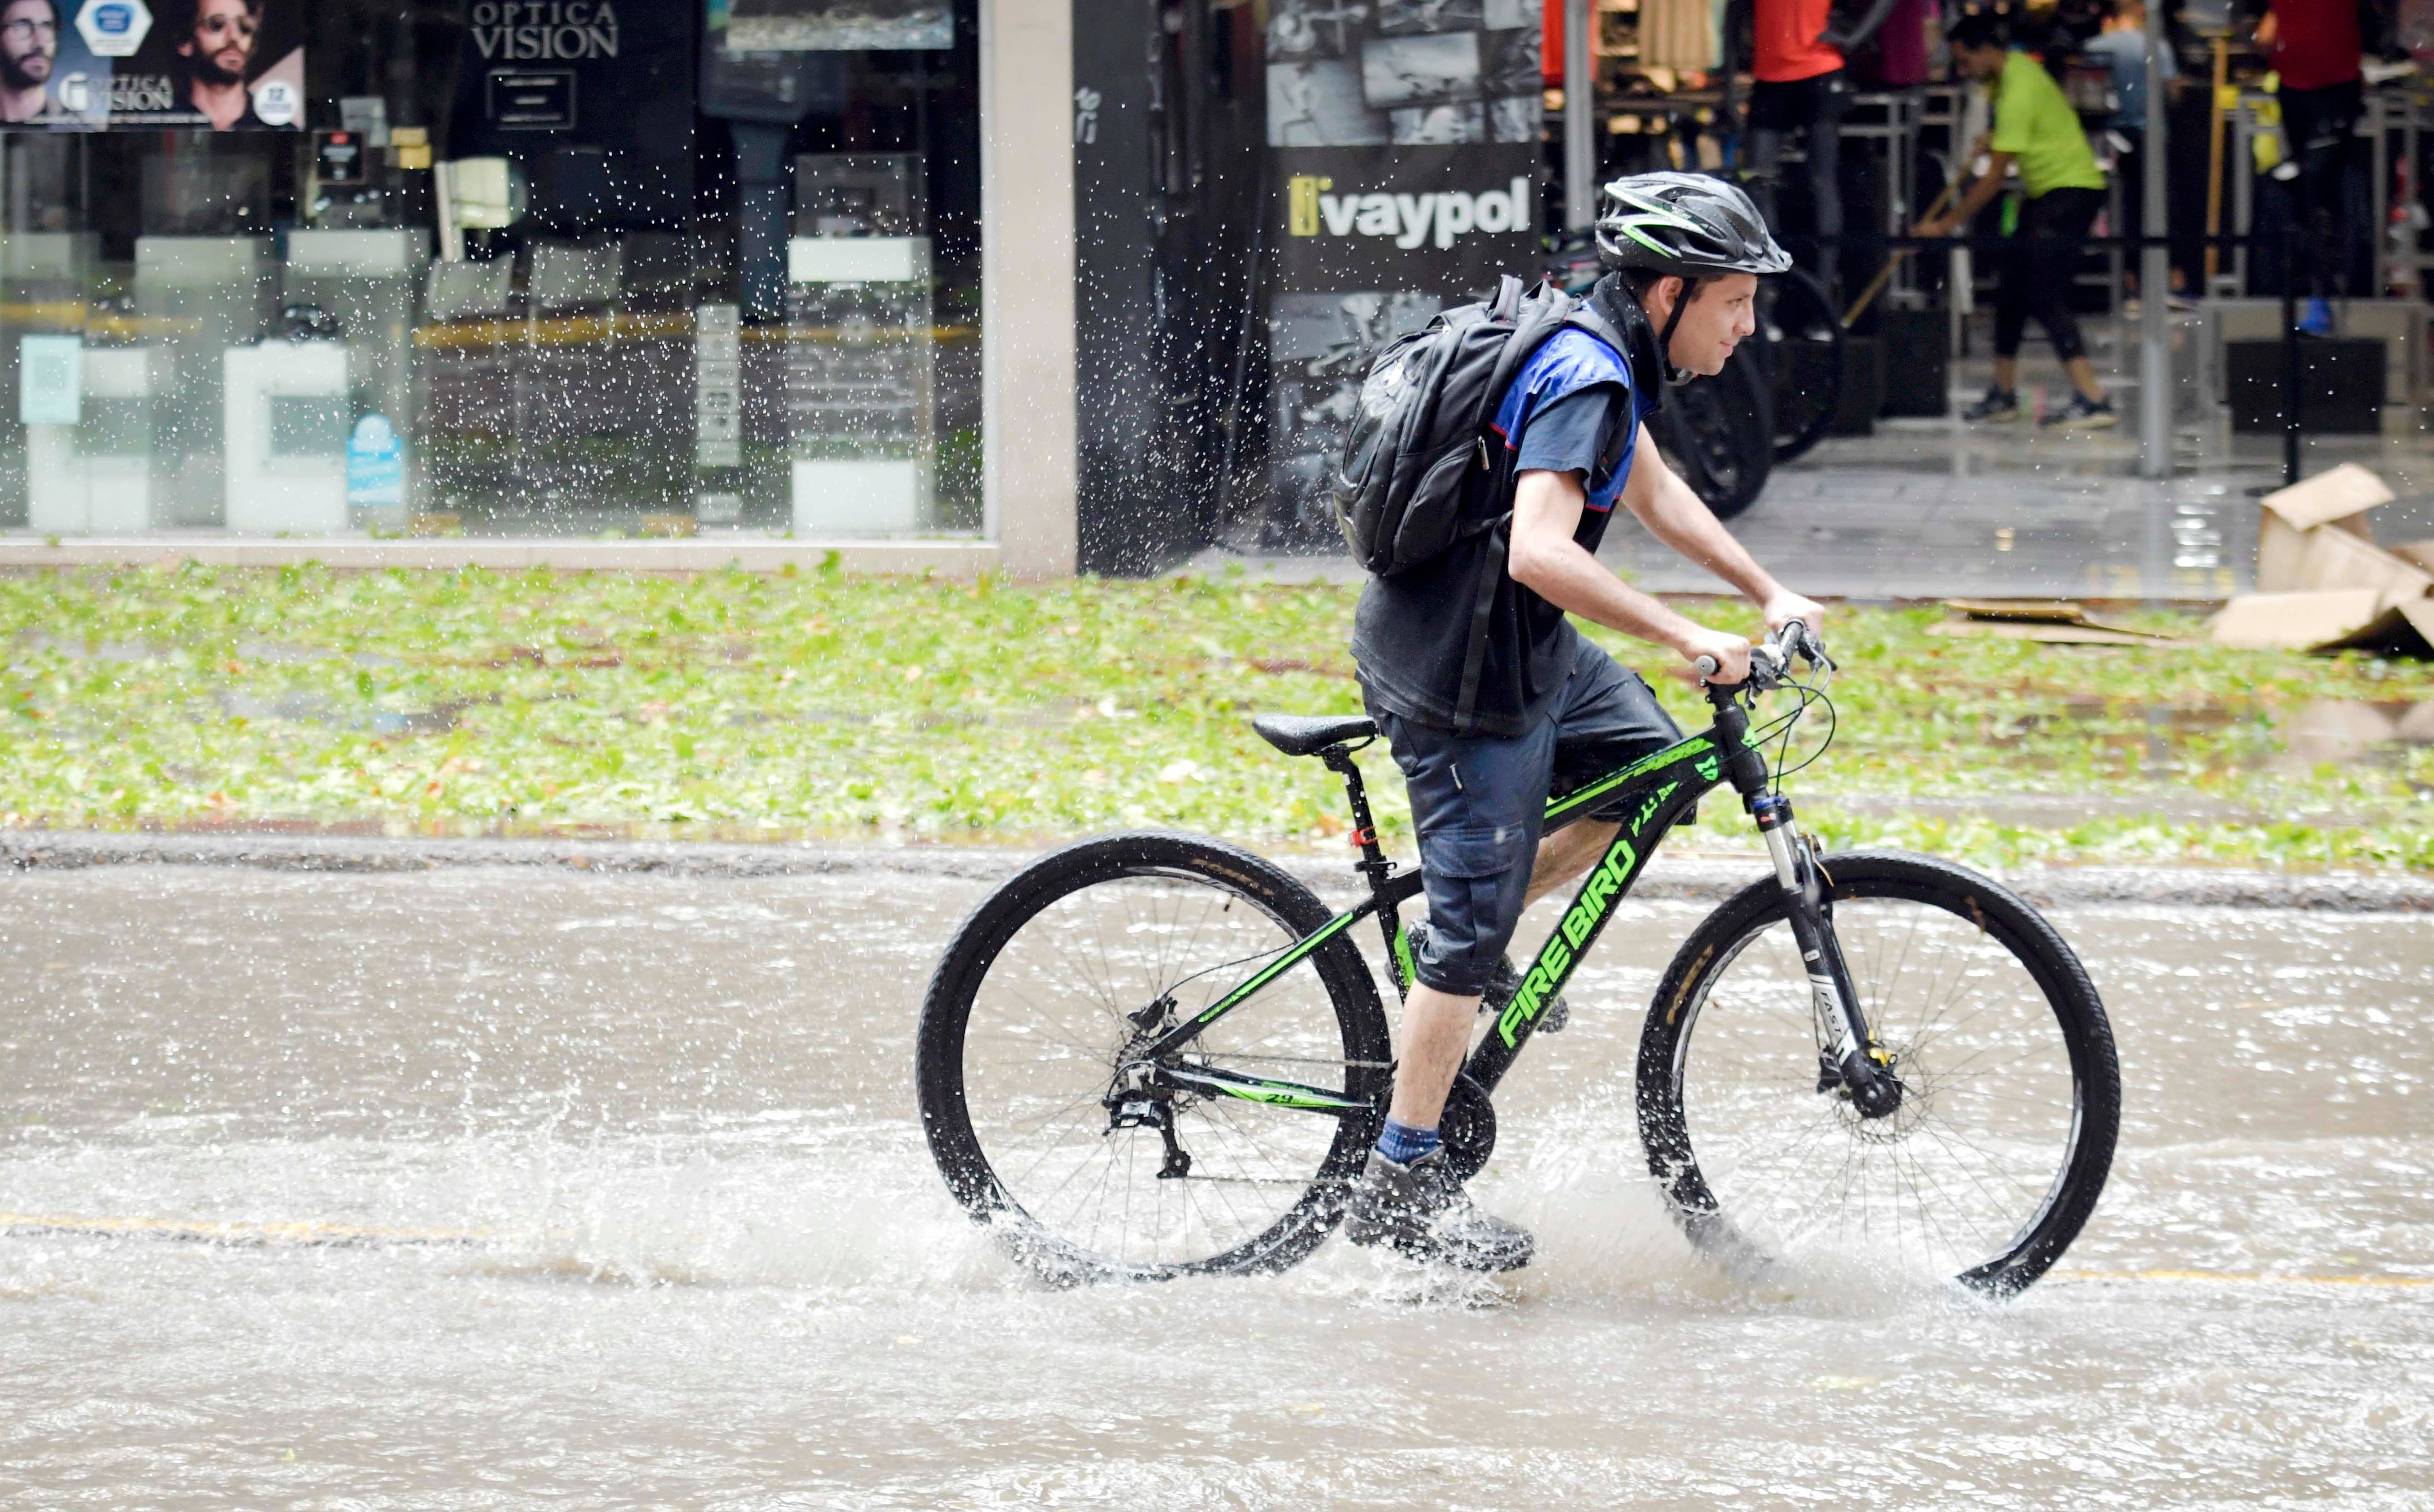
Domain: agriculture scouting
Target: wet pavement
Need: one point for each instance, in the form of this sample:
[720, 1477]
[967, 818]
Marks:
[608, 1188]
[1933, 508]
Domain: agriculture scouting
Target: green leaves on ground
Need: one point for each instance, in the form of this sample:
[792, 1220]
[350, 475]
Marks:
[754, 706]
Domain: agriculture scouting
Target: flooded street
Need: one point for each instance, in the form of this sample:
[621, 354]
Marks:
[483, 1187]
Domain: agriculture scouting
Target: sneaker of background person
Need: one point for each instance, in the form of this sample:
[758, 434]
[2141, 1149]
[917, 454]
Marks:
[2084, 413]
[2318, 321]
[1999, 406]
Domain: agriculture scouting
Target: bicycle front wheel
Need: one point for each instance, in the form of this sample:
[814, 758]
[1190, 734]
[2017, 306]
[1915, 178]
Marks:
[2009, 1094]
[1059, 980]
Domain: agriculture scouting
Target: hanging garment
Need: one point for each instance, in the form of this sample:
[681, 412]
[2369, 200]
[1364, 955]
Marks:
[1678, 34]
[1901, 46]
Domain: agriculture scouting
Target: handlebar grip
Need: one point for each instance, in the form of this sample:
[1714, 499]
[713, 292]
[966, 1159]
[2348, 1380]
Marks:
[1708, 666]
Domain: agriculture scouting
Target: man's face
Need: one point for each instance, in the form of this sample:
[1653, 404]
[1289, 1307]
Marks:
[222, 41]
[29, 39]
[1723, 312]
[1981, 63]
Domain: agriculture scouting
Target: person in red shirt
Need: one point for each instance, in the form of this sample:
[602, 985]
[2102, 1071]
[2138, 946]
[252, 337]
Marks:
[2314, 48]
[1801, 88]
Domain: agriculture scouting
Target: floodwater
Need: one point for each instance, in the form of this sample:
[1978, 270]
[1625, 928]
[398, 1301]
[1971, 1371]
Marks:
[638, 1212]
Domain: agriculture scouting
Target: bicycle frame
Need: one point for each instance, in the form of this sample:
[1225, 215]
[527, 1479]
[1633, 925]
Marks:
[1651, 795]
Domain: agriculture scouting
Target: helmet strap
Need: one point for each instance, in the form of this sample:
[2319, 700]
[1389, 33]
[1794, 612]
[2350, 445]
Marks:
[1676, 376]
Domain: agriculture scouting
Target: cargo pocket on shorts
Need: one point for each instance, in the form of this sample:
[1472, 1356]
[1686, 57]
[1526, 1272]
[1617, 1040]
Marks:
[1476, 878]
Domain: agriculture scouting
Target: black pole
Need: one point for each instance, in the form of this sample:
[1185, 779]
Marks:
[2290, 352]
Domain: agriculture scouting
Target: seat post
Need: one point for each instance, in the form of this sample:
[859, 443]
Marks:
[1364, 830]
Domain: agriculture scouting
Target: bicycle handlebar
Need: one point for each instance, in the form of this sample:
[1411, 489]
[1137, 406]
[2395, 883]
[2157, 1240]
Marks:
[1770, 658]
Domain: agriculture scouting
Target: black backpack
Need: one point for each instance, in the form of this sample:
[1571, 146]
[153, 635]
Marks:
[1423, 426]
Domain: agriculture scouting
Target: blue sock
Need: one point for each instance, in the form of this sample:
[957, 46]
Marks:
[1402, 1144]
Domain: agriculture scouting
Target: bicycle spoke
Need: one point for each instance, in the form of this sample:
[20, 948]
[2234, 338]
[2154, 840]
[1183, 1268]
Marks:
[1965, 1160]
[1085, 1164]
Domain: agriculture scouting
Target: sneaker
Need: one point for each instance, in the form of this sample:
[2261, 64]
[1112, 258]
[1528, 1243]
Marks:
[2084, 413]
[1999, 408]
[2318, 320]
[1502, 984]
[1421, 1210]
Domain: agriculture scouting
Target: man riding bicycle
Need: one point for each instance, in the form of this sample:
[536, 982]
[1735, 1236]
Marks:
[1682, 254]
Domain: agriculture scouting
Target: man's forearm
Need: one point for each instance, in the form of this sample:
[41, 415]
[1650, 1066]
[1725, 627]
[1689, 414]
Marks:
[1575, 583]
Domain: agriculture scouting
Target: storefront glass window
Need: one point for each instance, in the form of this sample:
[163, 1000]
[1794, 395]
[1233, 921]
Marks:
[561, 268]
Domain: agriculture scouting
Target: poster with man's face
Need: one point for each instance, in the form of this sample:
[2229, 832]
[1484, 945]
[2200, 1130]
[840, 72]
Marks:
[91, 65]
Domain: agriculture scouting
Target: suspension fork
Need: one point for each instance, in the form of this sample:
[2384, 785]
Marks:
[1856, 1057]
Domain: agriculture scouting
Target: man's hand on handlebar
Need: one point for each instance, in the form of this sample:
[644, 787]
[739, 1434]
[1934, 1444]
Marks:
[1764, 665]
[1786, 606]
[1719, 657]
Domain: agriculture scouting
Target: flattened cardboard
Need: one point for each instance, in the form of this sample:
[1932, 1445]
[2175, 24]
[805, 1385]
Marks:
[2050, 621]
[2419, 553]
[2043, 632]
[2405, 629]
[2293, 622]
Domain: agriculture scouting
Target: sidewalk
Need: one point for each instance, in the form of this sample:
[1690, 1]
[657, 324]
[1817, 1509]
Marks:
[1931, 508]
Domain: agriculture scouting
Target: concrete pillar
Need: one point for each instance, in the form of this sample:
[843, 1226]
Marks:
[1028, 449]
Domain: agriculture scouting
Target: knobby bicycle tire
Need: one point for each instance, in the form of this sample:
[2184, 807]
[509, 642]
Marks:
[1973, 904]
[1138, 861]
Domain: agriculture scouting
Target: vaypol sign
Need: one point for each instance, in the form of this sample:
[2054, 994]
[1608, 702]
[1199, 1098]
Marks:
[1443, 218]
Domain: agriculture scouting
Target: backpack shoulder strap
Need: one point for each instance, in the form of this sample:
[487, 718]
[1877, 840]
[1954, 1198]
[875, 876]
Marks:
[1585, 318]
[1539, 318]
[1506, 305]
[1474, 660]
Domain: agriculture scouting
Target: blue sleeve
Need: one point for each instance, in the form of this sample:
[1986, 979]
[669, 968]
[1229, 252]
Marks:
[1566, 411]
[1570, 435]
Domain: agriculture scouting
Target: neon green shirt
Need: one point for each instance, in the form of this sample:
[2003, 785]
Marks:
[2034, 123]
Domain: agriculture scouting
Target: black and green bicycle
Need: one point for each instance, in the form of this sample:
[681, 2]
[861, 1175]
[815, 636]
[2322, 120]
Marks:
[1155, 1055]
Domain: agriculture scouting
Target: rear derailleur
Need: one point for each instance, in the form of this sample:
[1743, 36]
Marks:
[1134, 1103]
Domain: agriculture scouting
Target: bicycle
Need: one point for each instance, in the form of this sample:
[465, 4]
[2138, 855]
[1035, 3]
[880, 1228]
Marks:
[1153, 1055]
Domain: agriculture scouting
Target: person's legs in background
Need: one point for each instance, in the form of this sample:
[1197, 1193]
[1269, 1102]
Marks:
[1824, 145]
[2050, 225]
[2129, 171]
[2322, 126]
[2012, 274]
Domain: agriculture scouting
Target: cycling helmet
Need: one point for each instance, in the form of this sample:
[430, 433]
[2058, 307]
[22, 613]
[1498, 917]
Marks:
[1686, 224]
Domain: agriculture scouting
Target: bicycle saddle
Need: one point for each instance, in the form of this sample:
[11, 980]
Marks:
[1308, 734]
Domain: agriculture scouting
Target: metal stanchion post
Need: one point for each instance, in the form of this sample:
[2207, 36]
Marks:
[1580, 113]
[2154, 275]
[2289, 349]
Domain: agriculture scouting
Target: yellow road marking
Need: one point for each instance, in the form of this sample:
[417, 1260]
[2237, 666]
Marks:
[250, 1235]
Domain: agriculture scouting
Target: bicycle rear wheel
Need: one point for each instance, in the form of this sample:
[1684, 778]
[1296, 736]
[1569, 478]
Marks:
[1057, 982]
[2011, 1096]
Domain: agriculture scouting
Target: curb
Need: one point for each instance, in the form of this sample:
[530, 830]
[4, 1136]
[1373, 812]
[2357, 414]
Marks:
[1695, 878]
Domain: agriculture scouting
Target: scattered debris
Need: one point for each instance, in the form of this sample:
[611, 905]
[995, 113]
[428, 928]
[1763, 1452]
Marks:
[2048, 621]
[2322, 583]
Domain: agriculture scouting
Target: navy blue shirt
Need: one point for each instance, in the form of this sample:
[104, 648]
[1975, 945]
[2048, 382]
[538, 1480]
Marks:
[1574, 408]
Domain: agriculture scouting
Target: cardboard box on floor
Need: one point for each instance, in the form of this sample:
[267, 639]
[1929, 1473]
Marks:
[2322, 583]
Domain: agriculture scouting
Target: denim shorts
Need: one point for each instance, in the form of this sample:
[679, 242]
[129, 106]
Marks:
[1479, 803]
